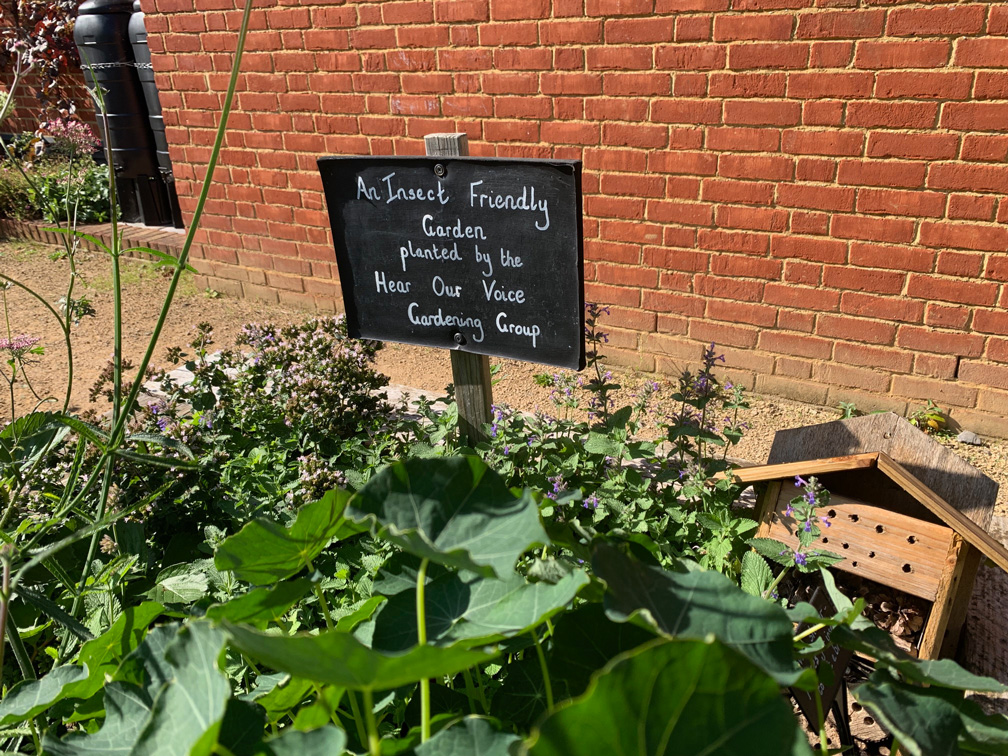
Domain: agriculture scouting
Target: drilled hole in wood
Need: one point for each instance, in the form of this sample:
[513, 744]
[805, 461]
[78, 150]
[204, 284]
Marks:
[831, 514]
[869, 721]
[853, 518]
[825, 540]
[846, 545]
[907, 568]
[855, 706]
[879, 529]
[912, 539]
[853, 564]
[871, 554]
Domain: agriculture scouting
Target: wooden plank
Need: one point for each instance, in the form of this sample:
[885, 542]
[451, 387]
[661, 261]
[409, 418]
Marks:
[973, 533]
[473, 394]
[938, 468]
[765, 506]
[893, 549]
[470, 372]
[748, 475]
[941, 633]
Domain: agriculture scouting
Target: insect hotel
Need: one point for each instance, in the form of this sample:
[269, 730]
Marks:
[905, 512]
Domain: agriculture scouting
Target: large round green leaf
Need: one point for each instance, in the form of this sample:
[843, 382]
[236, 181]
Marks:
[695, 605]
[456, 512]
[264, 552]
[932, 721]
[467, 607]
[126, 712]
[675, 697]
[473, 736]
[338, 658]
[193, 699]
[325, 741]
[585, 640]
[31, 697]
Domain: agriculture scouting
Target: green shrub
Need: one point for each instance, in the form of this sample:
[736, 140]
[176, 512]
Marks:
[81, 189]
[15, 196]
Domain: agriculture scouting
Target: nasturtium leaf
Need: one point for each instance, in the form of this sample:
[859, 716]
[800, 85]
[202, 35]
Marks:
[522, 699]
[126, 711]
[926, 722]
[681, 697]
[320, 711]
[944, 673]
[146, 665]
[326, 741]
[473, 736]
[264, 552]
[238, 733]
[282, 696]
[467, 607]
[31, 697]
[103, 654]
[262, 604]
[340, 659]
[456, 512]
[698, 604]
[348, 622]
[194, 697]
[585, 640]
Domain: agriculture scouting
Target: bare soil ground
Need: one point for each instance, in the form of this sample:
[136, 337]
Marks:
[144, 288]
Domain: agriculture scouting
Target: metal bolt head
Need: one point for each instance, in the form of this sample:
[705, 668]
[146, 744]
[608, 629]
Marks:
[439, 170]
[459, 338]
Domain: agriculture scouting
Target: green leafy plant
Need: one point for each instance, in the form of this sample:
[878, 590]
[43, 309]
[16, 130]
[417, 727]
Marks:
[930, 418]
[472, 644]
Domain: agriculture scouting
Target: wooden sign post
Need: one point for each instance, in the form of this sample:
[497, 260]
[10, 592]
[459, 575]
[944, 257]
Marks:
[470, 372]
[480, 256]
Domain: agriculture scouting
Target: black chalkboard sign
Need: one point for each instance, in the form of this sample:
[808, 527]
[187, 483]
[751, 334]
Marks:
[477, 254]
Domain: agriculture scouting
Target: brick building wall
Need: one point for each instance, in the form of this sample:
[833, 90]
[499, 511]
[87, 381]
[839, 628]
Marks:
[816, 186]
[27, 111]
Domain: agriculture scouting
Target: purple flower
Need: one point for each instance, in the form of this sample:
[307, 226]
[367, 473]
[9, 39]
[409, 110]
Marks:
[800, 559]
[826, 521]
[591, 502]
[799, 481]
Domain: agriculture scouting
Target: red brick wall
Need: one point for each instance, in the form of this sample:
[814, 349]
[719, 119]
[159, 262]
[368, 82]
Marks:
[27, 111]
[819, 190]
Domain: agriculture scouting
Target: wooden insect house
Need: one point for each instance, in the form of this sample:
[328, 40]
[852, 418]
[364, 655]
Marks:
[905, 512]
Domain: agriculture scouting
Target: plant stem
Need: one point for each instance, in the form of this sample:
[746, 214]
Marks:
[358, 719]
[777, 580]
[823, 745]
[322, 599]
[482, 693]
[809, 631]
[85, 573]
[4, 602]
[34, 734]
[470, 688]
[183, 258]
[17, 646]
[421, 617]
[547, 683]
[374, 742]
